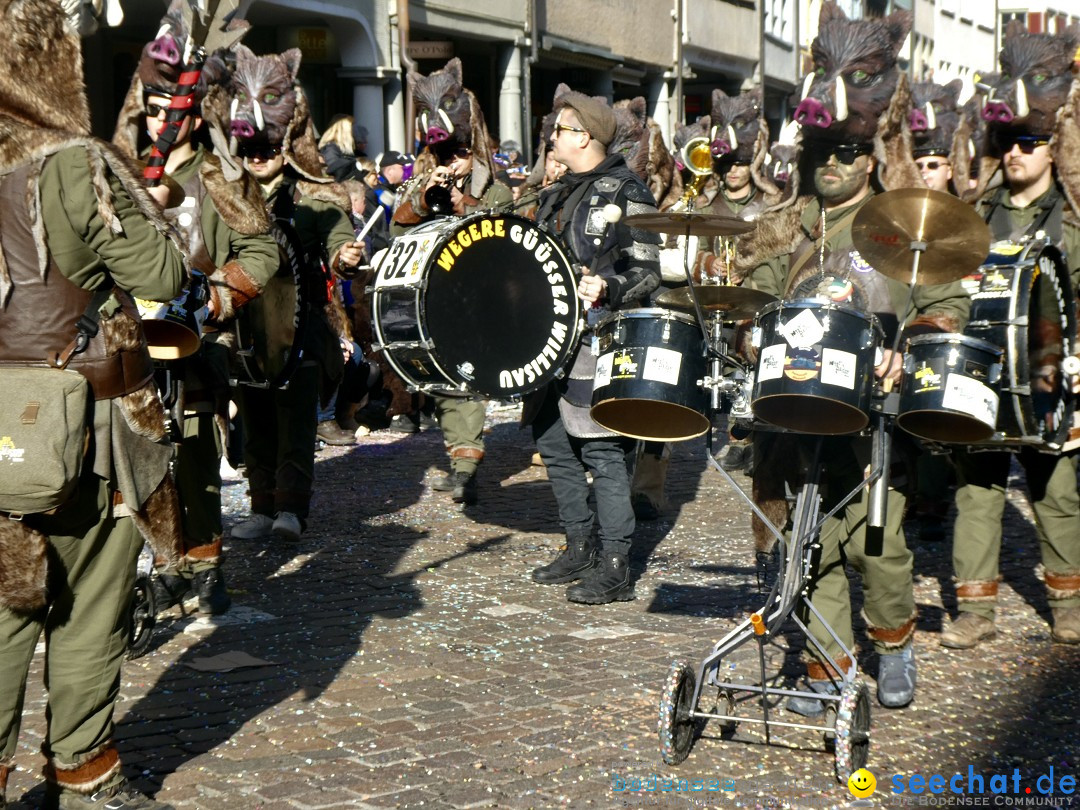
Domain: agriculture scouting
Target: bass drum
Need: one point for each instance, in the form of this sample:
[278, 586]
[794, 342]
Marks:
[271, 327]
[480, 306]
[1022, 301]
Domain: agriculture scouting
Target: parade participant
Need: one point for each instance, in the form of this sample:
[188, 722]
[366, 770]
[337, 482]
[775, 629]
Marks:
[1030, 201]
[79, 237]
[225, 229]
[278, 148]
[392, 167]
[622, 269]
[841, 175]
[937, 129]
[464, 167]
[840, 161]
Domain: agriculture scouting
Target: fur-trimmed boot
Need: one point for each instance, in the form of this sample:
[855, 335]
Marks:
[975, 623]
[823, 679]
[896, 669]
[1066, 628]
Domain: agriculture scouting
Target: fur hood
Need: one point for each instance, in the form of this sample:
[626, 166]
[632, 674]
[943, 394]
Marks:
[41, 67]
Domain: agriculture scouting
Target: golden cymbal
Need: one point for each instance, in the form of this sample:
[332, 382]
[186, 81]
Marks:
[957, 240]
[696, 223]
[734, 302]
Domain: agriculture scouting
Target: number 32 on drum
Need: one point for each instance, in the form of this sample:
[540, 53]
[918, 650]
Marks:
[396, 265]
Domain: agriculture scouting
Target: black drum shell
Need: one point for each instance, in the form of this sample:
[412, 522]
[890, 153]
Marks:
[650, 365]
[949, 391]
[822, 388]
[1019, 304]
[480, 306]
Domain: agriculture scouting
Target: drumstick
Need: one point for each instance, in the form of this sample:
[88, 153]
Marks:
[367, 226]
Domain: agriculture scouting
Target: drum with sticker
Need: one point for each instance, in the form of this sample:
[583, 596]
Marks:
[815, 366]
[1022, 301]
[649, 369]
[949, 391]
[479, 306]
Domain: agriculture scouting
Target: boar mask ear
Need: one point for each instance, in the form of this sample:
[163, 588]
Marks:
[899, 26]
[453, 67]
[829, 12]
[953, 90]
[292, 62]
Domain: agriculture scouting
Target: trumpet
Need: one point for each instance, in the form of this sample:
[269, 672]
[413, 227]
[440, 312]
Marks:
[696, 155]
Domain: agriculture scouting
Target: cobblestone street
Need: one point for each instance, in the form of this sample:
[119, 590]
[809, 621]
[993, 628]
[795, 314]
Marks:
[410, 661]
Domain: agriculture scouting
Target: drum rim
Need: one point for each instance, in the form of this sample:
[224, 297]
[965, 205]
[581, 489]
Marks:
[956, 337]
[818, 303]
[642, 313]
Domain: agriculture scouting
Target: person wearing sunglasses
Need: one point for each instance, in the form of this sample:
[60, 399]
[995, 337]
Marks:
[454, 186]
[842, 177]
[1029, 201]
[620, 267]
[229, 237]
[936, 170]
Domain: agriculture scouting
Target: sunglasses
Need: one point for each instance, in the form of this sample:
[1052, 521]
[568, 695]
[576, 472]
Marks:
[846, 153]
[1026, 143]
[932, 165]
[155, 110]
[462, 152]
[564, 128]
[259, 152]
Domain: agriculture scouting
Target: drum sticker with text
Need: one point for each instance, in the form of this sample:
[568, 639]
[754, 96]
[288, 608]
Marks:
[927, 379]
[771, 364]
[970, 396]
[802, 331]
[662, 365]
[624, 365]
[603, 370]
[838, 368]
[802, 364]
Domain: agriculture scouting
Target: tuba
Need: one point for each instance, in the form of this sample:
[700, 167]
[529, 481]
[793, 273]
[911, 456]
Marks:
[696, 155]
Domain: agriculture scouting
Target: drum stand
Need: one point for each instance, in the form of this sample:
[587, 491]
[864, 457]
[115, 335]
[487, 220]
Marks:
[846, 720]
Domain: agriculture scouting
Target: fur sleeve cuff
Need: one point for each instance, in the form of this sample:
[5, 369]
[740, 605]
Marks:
[230, 288]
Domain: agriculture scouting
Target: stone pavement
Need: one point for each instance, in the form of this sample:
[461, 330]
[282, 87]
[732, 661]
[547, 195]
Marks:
[411, 662]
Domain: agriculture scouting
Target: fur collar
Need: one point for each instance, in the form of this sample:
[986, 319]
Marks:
[240, 202]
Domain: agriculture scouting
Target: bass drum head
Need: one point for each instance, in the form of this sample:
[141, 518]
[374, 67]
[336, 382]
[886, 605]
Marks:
[500, 305]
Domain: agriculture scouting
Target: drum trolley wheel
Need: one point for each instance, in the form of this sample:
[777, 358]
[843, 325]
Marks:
[142, 617]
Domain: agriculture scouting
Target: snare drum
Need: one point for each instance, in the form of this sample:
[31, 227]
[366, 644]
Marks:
[815, 366]
[483, 305]
[1023, 303]
[949, 391]
[649, 369]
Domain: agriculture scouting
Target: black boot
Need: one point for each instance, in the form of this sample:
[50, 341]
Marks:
[609, 581]
[464, 490]
[169, 589]
[210, 587]
[575, 562]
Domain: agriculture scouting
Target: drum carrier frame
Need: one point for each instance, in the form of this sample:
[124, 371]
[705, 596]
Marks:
[846, 720]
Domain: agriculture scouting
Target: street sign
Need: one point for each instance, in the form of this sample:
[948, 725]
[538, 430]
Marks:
[431, 49]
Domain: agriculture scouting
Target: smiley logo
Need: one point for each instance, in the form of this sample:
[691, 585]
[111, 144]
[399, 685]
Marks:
[862, 783]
